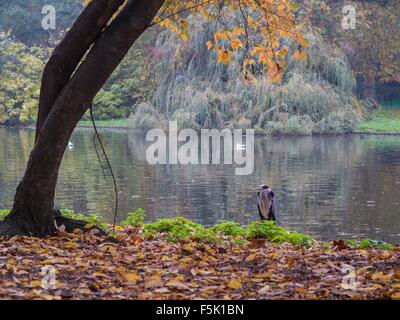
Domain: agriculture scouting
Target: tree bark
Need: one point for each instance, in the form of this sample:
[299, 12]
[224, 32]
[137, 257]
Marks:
[69, 52]
[33, 211]
[367, 87]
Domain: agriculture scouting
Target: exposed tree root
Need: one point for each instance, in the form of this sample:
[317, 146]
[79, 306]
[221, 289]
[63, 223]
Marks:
[9, 228]
[72, 224]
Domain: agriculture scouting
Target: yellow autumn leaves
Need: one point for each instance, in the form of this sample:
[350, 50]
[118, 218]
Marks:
[139, 268]
[260, 26]
[258, 34]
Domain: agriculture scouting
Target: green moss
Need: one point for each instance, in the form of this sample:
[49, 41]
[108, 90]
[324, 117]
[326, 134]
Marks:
[3, 214]
[270, 231]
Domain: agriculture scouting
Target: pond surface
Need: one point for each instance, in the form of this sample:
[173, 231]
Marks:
[330, 187]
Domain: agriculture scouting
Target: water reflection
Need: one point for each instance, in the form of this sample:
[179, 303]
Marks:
[331, 187]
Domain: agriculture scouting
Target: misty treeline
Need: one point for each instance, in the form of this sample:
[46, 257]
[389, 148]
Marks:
[163, 78]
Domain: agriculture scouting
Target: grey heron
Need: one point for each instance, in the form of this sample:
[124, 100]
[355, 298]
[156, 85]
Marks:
[267, 203]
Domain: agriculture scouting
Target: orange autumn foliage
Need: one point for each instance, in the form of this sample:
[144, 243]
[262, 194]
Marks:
[260, 27]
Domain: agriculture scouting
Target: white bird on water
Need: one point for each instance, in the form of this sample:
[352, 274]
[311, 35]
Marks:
[70, 146]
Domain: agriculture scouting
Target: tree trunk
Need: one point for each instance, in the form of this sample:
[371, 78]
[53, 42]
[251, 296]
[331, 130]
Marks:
[70, 51]
[367, 87]
[33, 211]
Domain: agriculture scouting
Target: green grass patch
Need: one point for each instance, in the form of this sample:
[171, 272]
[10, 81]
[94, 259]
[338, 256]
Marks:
[384, 120]
[112, 123]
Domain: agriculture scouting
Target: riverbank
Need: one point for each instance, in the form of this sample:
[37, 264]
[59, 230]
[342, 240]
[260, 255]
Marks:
[113, 123]
[383, 122]
[178, 259]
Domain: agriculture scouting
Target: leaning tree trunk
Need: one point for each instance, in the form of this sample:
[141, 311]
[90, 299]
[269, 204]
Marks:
[70, 81]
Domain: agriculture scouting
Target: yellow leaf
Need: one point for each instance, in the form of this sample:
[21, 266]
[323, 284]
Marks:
[380, 276]
[238, 31]
[281, 6]
[395, 296]
[224, 56]
[36, 283]
[132, 277]
[155, 277]
[235, 284]
[71, 245]
[100, 275]
[209, 45]
[296, 55]
[236, 44]
[250, 258]
[302, 290]
[251, 23]
[265, 275]
[179, 278]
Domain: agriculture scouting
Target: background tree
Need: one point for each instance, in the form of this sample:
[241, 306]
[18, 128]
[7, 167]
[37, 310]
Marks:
[92, 49]
[23, 19]
[373, 47]
[20, 69]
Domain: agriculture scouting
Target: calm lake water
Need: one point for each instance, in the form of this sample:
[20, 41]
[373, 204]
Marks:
[330, 187]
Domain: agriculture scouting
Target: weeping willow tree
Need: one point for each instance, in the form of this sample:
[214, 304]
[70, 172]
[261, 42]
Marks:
[316, 93]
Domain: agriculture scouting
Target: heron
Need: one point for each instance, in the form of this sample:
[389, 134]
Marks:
[267, 203]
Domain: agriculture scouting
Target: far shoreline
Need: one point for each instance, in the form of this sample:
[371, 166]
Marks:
[257, 132]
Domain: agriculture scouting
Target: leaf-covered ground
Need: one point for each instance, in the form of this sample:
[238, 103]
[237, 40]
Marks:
[89, 267]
